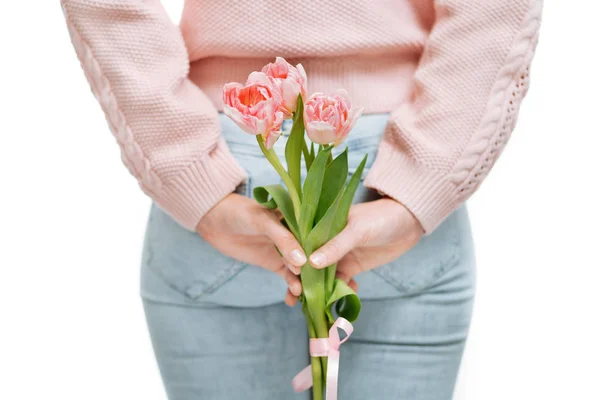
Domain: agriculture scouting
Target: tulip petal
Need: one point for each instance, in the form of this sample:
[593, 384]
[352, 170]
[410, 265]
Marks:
[353, 116]
[344, 95]
[302, 80]
[259, 77]
[290, 90]
[320, 132]
[247, 124]
[301, 72]
[271, 138]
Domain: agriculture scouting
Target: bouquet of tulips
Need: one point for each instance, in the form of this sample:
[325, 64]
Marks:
[314, 210]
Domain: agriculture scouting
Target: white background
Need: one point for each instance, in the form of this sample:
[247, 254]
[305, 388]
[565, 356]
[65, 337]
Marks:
[72, 221]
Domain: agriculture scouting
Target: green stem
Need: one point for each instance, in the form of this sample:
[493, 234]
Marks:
[308, 158]
[330, 279]
[315, 362]
[321, 331]
[315, 312]
[271, 156]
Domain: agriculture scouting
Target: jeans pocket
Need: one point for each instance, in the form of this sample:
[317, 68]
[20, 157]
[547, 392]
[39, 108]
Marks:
[429, 260]
[185, 261]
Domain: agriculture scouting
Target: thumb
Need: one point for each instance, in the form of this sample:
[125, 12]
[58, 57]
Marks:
[334, 250]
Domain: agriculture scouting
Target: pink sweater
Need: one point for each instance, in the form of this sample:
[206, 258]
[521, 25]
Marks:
[452, 73]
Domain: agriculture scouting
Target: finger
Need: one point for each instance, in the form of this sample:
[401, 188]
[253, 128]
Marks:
[353, 285]
[272, 262]
[349, 281]
[284, 239]
[336, 248]
[340, 274]
[293, 281]
[295, 270]
[278, 214]
[290, 299]
[348, 267]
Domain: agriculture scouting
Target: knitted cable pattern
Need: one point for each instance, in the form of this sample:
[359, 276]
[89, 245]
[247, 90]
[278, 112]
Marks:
[499, 122]
[131, 153]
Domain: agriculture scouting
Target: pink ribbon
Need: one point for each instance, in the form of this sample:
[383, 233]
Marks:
[329, 348]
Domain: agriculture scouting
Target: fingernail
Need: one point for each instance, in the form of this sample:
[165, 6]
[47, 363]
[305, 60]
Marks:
[317, 259]
[296, 289]
[298, 257]
[295, 270]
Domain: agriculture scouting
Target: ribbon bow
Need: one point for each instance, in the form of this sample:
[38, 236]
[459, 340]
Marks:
[330, 348]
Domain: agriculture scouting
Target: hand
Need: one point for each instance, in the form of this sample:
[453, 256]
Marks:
[242, 229]
[377, 232]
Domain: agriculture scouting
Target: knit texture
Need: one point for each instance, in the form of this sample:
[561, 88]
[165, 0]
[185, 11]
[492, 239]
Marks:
[452, 74]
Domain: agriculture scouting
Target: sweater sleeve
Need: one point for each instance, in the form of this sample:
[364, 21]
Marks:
[471, 78]
[137, 64]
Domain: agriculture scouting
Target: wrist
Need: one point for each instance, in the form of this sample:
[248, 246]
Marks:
[401, 211]
[209, 218]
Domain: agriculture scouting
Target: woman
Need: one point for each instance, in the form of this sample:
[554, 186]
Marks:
[441, 83]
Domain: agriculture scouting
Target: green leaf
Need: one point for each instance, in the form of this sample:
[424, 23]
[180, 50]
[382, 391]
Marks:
[275, 196]
[313, 279]
[342, 213]
[333, 182]
[312, 192]
[341, 217]
[322, 232]
[294, 145]
[261, 195]
[347, 303]
[272, 157]
[309, 156]
[321, 289]
[331, 224]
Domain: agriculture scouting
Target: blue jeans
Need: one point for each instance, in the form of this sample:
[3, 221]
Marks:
[220, 330]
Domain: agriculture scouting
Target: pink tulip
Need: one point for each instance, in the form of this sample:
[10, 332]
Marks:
[289, 80]
[329, 119]
[255, 107]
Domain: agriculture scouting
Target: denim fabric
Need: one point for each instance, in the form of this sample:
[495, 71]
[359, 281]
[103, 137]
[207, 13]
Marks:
[220, 330]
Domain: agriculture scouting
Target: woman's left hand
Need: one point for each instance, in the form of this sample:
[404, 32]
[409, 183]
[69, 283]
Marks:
[377, 232]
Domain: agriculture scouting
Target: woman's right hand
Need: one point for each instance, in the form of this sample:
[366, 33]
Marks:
[241, 228]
